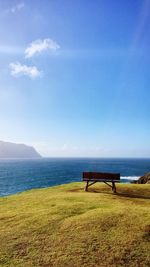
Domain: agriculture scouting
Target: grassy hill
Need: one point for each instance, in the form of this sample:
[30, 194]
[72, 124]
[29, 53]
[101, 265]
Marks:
[65, 226]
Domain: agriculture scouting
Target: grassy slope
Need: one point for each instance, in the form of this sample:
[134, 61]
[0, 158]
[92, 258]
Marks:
[65, 226]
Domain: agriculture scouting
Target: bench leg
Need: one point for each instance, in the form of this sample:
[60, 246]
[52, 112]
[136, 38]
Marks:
[114, 187]
[86, 187]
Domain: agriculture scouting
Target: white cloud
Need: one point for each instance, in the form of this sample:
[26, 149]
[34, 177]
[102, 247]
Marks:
[17, 69]
[64, 147]
[15, 8]
[38, 46]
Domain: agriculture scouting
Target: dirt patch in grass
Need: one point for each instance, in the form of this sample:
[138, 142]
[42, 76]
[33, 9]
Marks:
[20, 249]
[75, 190]
[146, 235]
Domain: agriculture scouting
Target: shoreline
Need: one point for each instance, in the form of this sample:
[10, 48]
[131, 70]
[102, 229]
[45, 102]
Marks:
[126, 181]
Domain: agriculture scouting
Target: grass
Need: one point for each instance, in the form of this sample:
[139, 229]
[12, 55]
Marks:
[65, 226]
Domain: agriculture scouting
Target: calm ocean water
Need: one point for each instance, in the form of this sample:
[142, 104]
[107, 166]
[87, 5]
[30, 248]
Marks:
[20, 175]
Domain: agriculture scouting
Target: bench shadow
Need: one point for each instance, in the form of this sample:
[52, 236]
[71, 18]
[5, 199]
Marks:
[130, 194]
[125, 194]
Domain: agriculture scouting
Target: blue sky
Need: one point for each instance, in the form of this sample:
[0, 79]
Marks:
[75, 76]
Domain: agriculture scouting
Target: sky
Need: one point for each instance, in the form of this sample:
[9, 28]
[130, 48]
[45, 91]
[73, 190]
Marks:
[75, 76]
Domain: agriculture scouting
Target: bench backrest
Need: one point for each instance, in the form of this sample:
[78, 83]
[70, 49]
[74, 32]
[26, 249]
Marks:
[100, 176]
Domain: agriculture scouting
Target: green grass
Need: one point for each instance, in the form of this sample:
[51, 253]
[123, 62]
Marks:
[65, 226]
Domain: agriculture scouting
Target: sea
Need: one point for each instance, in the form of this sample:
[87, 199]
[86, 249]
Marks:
[20, 175]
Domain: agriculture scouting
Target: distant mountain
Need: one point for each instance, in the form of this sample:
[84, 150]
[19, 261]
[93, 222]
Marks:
[17, 151]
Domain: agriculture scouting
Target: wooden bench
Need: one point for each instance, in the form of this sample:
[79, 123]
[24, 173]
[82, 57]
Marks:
[93, 177]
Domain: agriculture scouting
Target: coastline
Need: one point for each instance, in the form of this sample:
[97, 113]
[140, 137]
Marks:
[17, 176]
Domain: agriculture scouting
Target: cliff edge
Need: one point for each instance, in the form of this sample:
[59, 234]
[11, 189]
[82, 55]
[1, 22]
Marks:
[145, 179]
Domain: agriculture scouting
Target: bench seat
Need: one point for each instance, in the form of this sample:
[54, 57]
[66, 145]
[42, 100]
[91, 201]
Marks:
[102, 180]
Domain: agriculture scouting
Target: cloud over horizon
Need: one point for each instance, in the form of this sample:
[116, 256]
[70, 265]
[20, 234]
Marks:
[39, 45]
[17, 69]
